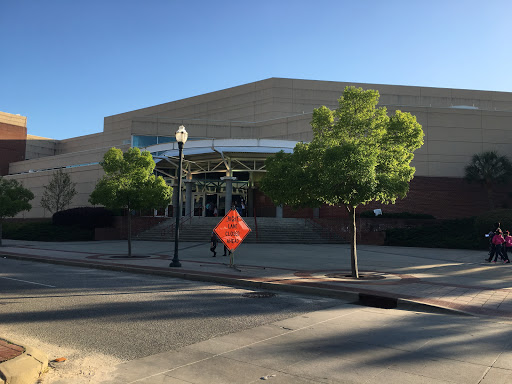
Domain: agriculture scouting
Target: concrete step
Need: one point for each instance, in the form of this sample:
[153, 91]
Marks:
[269, 230]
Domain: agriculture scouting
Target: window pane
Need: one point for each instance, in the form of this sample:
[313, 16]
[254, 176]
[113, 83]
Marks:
[144, 141]
[165, 139]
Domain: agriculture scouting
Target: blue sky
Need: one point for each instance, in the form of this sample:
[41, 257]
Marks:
[66, 64]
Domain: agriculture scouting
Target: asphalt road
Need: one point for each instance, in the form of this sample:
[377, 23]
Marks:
[130, 316]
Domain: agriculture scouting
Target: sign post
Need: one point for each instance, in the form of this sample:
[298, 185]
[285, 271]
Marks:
[232, 230]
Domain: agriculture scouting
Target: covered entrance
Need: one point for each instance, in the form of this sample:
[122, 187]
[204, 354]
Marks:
[218, 173]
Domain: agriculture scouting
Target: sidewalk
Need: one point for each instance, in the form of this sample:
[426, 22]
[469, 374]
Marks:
[457, 280]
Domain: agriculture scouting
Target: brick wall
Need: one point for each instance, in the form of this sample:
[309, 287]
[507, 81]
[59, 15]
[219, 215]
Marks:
[442, 197]
[13, 141]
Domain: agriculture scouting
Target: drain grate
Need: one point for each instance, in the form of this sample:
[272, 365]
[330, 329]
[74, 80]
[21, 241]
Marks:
[258, 295]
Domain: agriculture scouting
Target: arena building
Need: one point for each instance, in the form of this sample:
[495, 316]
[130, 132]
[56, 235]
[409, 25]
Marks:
[232, 131]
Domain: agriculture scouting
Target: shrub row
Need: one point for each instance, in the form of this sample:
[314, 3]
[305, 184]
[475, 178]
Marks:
[466, 233]
[45, 231]
[84, 217]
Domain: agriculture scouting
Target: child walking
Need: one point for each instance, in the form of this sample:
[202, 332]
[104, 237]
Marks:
[507, 247]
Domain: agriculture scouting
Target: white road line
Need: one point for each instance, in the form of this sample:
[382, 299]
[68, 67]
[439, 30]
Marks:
[29, 282]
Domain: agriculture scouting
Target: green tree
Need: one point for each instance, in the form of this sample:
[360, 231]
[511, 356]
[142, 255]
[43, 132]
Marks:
[358, 154]
[14, 198]
[488, 169]
[59, 192]
[129, 183]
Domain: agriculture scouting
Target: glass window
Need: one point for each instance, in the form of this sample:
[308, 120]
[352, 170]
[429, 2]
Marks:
[144, 141]
[165, 139]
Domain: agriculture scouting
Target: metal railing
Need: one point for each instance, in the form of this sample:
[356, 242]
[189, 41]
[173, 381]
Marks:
[329, 231]
[168, 231]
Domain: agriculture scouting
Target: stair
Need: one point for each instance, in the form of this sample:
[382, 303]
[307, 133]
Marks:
[270, 230]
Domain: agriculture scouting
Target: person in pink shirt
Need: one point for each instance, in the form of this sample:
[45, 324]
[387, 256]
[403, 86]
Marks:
[507, 247]
[497, 241]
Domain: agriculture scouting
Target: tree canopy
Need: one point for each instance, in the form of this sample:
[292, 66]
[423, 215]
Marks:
[59, 192]
[358, 154]
[488, 169]
[14, 198]
[129, 183]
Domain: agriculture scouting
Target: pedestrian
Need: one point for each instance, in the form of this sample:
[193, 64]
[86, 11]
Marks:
[507, 247]
[497, 240]
[215, 211]
[490, 235]
[226, 250]
[213, 244]
[243, 208]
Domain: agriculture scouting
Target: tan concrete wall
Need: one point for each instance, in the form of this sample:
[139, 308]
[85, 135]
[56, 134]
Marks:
[59, 161]
[115, 138]
[84, 177]
[9, 118]
[281, 109]
[38, 146]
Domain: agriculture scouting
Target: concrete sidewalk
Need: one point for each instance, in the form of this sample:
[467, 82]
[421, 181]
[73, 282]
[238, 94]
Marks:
[342, 344]
[455, 280]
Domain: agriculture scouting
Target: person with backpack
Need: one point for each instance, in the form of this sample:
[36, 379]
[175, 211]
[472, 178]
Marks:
[497, 241]
[507, 247]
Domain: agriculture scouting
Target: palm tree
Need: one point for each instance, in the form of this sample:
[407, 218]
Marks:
[488, 169]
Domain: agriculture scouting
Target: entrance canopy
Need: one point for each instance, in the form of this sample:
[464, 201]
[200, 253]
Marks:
[217, 155]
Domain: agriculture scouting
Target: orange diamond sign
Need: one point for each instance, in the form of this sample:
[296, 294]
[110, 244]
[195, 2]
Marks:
[232, 230]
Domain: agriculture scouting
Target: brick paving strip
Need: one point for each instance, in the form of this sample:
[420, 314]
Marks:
[9, 350]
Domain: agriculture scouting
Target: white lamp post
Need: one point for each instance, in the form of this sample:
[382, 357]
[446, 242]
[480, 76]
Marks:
[181, 138]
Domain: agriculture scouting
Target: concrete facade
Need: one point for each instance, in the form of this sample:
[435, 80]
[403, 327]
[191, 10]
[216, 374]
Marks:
[457, 124]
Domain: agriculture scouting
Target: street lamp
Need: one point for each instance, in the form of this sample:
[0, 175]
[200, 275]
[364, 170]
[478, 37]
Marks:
[181, 138]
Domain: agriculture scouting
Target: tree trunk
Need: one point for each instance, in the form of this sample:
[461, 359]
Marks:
[129, 233]
[353, 242]
[490, 196]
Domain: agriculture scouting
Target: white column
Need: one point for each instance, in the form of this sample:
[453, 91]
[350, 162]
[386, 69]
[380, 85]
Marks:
[189, 205]
[229, 191]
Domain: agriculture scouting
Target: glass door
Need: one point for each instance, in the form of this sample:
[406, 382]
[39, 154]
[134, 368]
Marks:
[198, 204]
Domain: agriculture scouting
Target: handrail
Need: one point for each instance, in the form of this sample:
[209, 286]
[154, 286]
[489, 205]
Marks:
[183, 220]
[333, 232]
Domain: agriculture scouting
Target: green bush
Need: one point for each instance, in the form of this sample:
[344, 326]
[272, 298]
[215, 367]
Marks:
[457, 233]
[84, 217]
[485, 222]
[397, 215]
[45, 231]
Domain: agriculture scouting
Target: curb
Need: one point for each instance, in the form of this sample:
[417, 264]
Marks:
[353, 296]
[25, 368]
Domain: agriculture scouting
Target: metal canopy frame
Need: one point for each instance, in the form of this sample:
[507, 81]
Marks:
[217, 155]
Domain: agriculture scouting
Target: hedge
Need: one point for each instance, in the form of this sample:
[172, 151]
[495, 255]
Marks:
[84, 217]
[45, 231]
